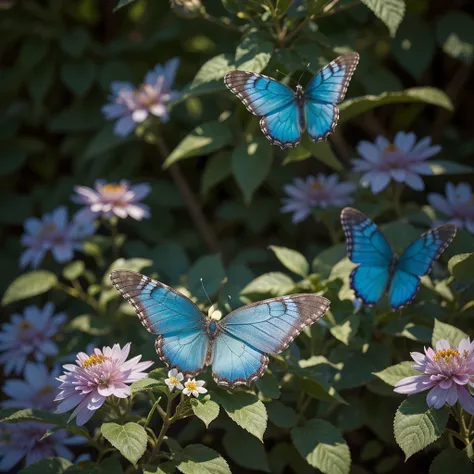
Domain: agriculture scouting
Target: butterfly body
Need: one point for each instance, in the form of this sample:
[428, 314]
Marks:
[286, 114]
[380, 269]
[236, 346]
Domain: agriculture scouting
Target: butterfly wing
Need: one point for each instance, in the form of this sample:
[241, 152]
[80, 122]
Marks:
[271, 100]
[268, 326]
[367, 246]
[324, 91]
[416, 261]
[182, 338]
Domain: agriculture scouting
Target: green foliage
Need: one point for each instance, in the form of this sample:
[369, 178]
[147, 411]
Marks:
[206, 410]
[392, 375]
[53, 465]
[451, 459]
[199, 459]
[28, 285]
[445, 331]
[416, 426]
[391, 12]
[292, 260]
[130, 439]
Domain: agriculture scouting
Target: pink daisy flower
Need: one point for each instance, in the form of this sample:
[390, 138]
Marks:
[108, 199]
[96, 377]
[448, 373]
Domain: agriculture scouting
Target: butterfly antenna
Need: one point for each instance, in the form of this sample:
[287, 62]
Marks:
[205, 292]
[302, 74]
[283, 74]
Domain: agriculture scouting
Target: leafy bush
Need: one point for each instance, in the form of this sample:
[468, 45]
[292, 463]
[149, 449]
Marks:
[123, 149]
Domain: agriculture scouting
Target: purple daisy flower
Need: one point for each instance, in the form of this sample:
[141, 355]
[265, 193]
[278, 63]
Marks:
[110, 199]
[53, 233]
[458, 206]
[401, 161]
[448, 373]
[132, 106]
[23, 440]
[29, 334]
[321, 191]
[37, 390]
[96, 377]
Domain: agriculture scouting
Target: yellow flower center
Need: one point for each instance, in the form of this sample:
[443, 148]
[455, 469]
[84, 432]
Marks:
[94, 360]
[317, 185]
[390, 148]
[24, 325]
[191, 386]
[45, 390]
[446, 354]
[113, 188]
[174, 381]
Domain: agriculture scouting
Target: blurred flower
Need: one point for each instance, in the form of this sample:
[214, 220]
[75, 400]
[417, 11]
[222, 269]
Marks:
[53, 233]
[187, 8]
[37, 390]
[448, 372]
[401, 161]
[23, 440]
[102, 374]
[194, 387]
[174, 380]
[132, 106]
[110, 199]
[321, 191]
[30, 333]
[458, 205]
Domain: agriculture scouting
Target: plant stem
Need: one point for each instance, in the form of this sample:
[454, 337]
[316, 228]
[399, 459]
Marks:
[152, 411]
[191, 200]
[396, 193]
[164, 429]
[114, 235]
[79, 294]
[465, 435]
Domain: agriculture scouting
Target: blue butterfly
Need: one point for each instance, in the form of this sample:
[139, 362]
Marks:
[286, 114]
[380, 268]
[235, 346]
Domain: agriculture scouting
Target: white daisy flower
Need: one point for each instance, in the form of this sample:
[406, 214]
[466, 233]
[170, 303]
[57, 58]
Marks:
[194, 387]
[174, 380]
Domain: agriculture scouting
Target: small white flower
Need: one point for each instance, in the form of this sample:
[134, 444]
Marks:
[174, 380]
[194, 387]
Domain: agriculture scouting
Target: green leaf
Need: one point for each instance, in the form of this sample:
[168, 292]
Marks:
[204, 139]
[218, 168]
[251, 164]
[206, 410]
[104, 140]
[416, 426]
[246, 410]
[345, 331]
[392, 375]
[131, 264]
[211, 270]
[90, 325]
[130, 439]
[292, 260]
[40, 81]
[414, 45]
[254, 53]
[78, 75]
[462, 266]
[75, 41]
[12, 160]
[28, 285]
[451, 460]
[122, 3]
[74, 270]
[170, 259]
[274, 283]
[372, 450]
[199, 459]
[322, 151]
[268, 386]
[47, 465]
[315, 384]
[323, 447]
[210, 78]
[391, 12]
[449, 333]
[439, 167]
[428, 95]
[455, 34]
[245, 450]
[281, 415]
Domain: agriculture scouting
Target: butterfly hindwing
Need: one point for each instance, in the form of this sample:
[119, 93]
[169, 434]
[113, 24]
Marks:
[282, 128]
[416, 261]
[321, 120]
[182, 339]
[270, 325]
[235, 362]
[369, 282]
